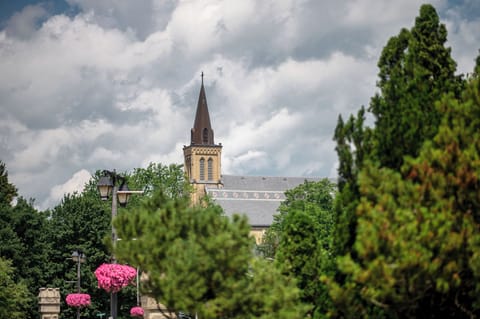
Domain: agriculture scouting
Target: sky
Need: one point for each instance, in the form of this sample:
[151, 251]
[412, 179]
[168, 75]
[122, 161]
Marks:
[87, 85]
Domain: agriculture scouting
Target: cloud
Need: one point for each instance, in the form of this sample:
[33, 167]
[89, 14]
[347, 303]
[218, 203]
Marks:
[115, 84]
[75, 184]
[464, 38]
[24, 23]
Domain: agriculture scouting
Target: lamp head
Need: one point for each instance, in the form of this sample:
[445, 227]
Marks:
[123, 197]
[78, 256]
[105, 187]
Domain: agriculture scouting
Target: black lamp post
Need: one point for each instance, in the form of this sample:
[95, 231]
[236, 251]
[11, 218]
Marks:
[107, 186]
[78, 257]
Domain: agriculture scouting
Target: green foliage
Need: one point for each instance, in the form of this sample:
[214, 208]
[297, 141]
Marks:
[7, 190]
[196, 259]
[40, 244]
[83, 222]
[306, 197]
[79, 222]
[390, 230]
[270, 294]
[14, 296]
[171, 179]
[476, 69]
[302, 235]
[354, 145]
[418, 232]
[21, 240]
[416, 69]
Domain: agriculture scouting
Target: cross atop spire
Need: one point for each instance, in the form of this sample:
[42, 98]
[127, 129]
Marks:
[202, 77]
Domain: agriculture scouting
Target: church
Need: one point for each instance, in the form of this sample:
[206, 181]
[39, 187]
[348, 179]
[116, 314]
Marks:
[257, 197]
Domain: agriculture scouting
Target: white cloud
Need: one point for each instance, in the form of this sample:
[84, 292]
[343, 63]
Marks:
[24, 23]
[115, 85]
[75, 184]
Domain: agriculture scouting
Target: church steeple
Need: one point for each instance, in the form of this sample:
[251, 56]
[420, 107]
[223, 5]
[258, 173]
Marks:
[202, 157]
[202, 133]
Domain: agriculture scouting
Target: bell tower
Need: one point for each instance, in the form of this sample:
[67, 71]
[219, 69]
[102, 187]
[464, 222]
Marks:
[202, 157]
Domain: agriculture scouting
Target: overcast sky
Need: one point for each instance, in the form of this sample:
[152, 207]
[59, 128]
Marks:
[113, 84]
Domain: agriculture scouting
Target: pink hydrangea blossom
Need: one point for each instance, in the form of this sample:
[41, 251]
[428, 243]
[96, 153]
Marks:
[78, 300]
[136, 312]
[113, 277]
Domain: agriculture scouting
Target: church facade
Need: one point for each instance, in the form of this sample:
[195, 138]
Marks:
[257, 197]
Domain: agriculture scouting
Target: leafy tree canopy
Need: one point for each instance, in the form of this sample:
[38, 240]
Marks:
[300, 239]
[199, 261]
[14, 296]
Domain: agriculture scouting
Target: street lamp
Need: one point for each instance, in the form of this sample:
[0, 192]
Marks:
[78, 257]
[107, 186]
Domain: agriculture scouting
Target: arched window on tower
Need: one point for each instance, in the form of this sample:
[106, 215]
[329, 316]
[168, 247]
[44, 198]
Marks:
[205, 136]
[202, 169]
[210, 169]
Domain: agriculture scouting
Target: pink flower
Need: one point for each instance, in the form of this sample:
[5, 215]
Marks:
[113, 277]
[78, 300]
[136, 312]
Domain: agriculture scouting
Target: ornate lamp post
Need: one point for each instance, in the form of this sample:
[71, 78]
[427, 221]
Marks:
[79, 258]
[107, 186]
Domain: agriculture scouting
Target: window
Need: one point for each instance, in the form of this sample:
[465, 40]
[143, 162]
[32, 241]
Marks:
[210, 169]
[205, 136]
[202, 169]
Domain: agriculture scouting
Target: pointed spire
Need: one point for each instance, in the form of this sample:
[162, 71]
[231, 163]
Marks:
[202, 133]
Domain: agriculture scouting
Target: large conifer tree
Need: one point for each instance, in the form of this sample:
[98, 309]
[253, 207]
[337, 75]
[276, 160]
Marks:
[416, 69]
[418, 234]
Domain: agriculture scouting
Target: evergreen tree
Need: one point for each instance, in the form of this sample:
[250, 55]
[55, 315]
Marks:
[416, 69]
[476, 69]
[418, 236]
[8, 191]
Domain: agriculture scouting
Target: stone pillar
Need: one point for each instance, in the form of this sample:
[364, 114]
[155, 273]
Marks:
[49, 303]
[153, 310]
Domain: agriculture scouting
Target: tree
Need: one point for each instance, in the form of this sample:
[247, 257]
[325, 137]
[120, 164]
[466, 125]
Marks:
[302, 235]
[10, 243]
[476, 69]
[418, 237]
[14, 296]
[416, 69]
[198, 261]
[156, 176]
[83, 222]
[8, 191]
[22, 240]
[39, 244]
[354, 146]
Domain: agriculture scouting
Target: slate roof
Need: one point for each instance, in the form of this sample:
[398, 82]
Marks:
[257, 197]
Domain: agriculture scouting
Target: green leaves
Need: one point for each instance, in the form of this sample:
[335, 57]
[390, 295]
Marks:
[304, 229]
[408, 187]
[7, 190]
[417, 233]
[14, 296]
[198, 261]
